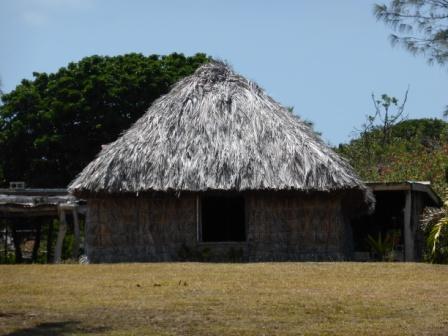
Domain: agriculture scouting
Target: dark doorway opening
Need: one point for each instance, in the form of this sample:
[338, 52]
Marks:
[386, 222]
[223, 219]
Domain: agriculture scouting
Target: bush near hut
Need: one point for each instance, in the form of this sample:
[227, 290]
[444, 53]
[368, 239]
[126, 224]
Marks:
[43, 253]
[435, 226]
[417, 150]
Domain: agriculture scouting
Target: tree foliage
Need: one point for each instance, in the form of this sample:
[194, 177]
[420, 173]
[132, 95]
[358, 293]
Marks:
[408, 150]
[417, 150]
[53, 125]
[385, 115]
[421, 26]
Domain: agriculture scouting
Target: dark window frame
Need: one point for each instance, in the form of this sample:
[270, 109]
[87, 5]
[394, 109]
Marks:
[200, 221]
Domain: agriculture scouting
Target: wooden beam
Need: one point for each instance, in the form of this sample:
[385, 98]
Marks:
[36, 247]
[34, 191]
[13, 212]
[6, 240]
[76, 233]
[16, 238]
[407, 229]
[428, 191]
[61, 235]
[50, 241]
[389, 186]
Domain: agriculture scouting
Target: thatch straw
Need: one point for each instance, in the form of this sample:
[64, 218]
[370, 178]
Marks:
[216, 130]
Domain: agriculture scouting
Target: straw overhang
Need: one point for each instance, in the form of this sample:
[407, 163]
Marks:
[216, 130]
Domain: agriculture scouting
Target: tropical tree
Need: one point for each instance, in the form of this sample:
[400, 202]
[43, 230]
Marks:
[53, 125]
[385, 115]
[421, 26]
[367, 151]
[417, 149]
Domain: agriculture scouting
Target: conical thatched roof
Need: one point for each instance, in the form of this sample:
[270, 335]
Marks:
[216, 130]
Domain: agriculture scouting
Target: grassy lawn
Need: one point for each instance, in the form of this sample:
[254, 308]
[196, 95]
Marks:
[224, 299]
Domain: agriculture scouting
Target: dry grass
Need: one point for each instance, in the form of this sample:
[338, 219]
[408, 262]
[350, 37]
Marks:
[224, 299]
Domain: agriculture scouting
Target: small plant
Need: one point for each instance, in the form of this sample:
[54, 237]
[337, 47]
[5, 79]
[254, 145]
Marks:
[383, 248]
[8, 258]
[435, 226]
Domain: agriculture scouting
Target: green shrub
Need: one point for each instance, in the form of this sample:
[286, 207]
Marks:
[435, 226]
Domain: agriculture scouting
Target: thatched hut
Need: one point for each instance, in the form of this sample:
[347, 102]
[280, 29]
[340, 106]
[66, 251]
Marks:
[216, 169]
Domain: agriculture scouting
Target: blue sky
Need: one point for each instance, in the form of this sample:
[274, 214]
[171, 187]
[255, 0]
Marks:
[325, 57]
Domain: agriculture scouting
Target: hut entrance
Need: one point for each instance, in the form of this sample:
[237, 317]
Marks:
[222, 219]
[382, 230]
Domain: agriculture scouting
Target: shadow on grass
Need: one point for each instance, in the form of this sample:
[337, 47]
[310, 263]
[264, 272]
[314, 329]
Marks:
[56, 329]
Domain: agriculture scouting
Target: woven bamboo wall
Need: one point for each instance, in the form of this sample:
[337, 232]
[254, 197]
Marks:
[291, 227]
[279, 227]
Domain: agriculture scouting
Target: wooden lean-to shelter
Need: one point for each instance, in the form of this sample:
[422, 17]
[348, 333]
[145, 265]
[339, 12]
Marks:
[26, 216]
[218, 170]
[397, 219]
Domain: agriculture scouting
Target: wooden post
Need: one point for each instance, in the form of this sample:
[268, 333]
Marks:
[17, 239]
[407, 229]
[76, 233]
[61, 235]
[36, 246]
[6, 241]
[50, 241]
[198, 239]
